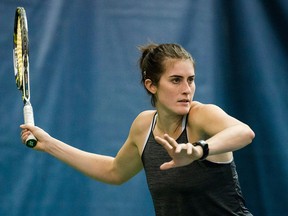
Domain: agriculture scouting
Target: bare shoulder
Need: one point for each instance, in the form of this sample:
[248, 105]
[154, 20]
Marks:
[140, 127]
[208, 116]
[200, 111]
[143, 120]
[200, 108]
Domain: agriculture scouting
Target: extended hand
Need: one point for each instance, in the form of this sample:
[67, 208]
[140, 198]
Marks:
[181, 154]
[40, 134]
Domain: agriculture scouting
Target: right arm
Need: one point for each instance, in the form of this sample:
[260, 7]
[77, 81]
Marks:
[111, 170]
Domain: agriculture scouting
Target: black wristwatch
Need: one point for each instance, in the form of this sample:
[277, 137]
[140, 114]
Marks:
[205, 148]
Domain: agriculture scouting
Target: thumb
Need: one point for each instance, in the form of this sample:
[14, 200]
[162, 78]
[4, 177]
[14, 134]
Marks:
[28, 127]
[167, 165]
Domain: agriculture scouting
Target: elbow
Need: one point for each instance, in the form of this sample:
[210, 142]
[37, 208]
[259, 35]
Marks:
[118, 181]
[249, 134]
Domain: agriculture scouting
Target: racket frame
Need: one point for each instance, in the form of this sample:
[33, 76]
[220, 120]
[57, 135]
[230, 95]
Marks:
[22, 73]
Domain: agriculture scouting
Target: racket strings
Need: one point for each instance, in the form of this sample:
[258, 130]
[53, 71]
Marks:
[19, 56]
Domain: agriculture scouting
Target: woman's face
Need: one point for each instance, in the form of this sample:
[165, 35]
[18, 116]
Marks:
[176, 87]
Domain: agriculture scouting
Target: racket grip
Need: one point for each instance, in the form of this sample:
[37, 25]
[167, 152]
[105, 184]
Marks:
[31, 141]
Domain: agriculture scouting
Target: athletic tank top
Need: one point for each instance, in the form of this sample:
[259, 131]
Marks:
[202, 188]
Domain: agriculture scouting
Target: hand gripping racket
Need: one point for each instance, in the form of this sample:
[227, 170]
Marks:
[21, 68]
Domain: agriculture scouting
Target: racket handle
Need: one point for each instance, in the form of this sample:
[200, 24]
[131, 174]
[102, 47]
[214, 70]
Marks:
[31, 141]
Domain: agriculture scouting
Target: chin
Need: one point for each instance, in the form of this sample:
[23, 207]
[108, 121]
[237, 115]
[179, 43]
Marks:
[183, 111]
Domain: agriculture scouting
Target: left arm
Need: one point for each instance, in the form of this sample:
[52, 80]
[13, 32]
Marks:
[223, 133]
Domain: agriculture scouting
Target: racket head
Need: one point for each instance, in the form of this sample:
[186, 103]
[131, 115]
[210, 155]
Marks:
[21, 52]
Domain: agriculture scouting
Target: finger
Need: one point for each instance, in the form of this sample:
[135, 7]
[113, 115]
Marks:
[170, 140]
[167, 165]
[189, 148]
[25, 135]
[23, 131]
[30, 128]
[27, 127]
[163, 142]
[180, 147]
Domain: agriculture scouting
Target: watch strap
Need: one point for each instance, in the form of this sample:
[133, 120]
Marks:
[205, 148]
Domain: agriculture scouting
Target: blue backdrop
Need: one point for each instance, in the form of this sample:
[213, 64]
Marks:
[86, 91]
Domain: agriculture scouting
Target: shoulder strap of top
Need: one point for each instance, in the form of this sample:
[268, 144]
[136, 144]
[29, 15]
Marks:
[152, 125]
[153, 122]
[184, 122]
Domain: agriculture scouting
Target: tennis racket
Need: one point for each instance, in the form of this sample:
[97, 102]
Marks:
[21, 68]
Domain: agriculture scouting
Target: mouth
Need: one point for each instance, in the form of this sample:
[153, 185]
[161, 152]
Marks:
[184, 101]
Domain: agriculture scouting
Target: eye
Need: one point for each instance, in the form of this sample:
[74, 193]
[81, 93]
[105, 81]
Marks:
[176, 80]
[191, 79]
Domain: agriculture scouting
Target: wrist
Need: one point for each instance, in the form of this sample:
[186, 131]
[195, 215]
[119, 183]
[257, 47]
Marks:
[205, 148]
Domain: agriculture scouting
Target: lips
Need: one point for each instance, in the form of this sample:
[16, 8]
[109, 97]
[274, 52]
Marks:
[184, 100]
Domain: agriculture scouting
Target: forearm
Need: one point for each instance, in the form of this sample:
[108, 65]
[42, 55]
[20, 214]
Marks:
[111, 170]
[230, 139]
[96, 166]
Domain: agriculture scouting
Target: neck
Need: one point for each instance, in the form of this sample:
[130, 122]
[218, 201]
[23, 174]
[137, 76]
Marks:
[168, 125]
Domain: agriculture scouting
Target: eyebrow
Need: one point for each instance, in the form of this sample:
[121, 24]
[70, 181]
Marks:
[178, 76]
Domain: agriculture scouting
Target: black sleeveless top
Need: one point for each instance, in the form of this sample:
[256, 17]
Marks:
[202, 188]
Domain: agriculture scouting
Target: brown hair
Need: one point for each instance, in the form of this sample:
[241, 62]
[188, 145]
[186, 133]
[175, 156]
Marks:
[152, 61]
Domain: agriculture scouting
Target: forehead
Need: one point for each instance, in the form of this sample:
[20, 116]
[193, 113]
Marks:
[181, 67]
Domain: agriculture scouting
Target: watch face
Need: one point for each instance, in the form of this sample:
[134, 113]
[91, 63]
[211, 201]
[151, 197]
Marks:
[205, 148]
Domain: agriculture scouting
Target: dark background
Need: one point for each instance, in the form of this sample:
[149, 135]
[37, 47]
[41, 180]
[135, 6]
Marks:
[86, 91]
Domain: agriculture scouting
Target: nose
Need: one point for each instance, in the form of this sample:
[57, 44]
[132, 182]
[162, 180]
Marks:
[187, 87]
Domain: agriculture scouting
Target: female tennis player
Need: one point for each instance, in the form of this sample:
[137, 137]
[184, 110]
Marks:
[185, 147]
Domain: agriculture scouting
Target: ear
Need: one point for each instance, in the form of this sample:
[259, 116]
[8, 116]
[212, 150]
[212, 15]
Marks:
[150, 86]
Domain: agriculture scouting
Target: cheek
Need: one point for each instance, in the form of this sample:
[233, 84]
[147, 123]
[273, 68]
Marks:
[193, 88]
[193, 92]
[169, 91]
[167, 95]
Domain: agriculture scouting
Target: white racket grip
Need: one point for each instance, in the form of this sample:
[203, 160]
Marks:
[28, 114]
[31, 141]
